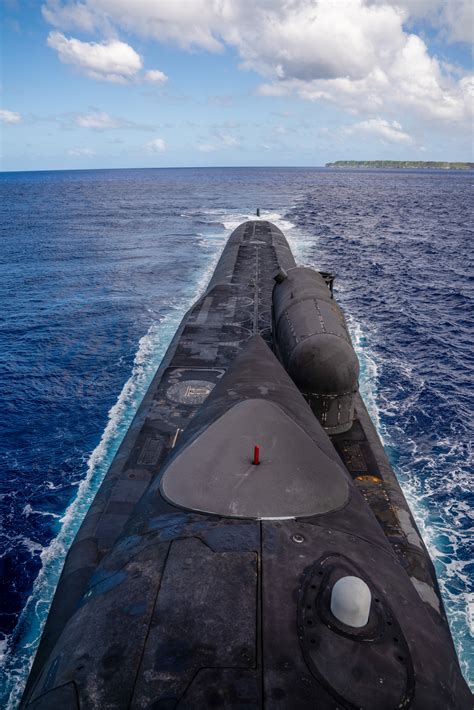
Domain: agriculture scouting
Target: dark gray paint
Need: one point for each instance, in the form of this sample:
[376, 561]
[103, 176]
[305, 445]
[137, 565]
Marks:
[313, 342]
[214, 473]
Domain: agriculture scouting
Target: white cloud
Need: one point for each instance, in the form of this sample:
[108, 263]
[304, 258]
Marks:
[356, 54]
[108, 61]
[454, 19]
[226, 139]
[458, 18]
[81, 152]
[9, 116]
[102, 121]
[327, 40]
[380, 128]
[189, 24]
[412, 81]
[71, 15]
[206, 148]
[155, 76]
[395, 71]
[99, 121]
[157, 145]
[221, 136]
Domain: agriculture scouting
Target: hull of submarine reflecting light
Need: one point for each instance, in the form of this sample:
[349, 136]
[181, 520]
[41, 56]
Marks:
[199, 579]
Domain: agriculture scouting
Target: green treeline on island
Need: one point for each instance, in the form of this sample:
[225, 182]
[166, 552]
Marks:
[399, 164]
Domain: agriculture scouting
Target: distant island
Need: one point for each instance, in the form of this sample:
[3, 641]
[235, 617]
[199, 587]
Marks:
[399, 164]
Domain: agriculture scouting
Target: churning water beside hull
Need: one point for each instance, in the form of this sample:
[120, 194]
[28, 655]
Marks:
[147, 284]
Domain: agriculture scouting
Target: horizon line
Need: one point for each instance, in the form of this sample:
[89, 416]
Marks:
[241, 167]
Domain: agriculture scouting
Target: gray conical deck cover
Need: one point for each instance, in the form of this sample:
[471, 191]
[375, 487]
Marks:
[215, 473]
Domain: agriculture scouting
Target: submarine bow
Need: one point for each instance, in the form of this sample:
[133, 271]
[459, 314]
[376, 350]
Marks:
[250, 545]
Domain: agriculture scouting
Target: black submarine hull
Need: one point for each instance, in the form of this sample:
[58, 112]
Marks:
[201, 579]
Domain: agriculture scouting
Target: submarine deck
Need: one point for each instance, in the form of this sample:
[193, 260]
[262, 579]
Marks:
[235, 307]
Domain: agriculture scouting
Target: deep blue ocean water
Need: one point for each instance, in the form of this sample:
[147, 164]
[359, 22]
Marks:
[97, 269]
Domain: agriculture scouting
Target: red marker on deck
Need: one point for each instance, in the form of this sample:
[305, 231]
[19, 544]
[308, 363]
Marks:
[256, 455]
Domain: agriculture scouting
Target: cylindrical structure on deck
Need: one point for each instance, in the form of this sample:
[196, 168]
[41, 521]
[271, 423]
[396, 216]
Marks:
[314, 345]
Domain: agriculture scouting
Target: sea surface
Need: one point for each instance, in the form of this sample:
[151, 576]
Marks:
[97, 269]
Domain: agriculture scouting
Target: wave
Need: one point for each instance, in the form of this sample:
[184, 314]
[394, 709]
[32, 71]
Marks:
[29, 510]
[26, 637]
[231, 219]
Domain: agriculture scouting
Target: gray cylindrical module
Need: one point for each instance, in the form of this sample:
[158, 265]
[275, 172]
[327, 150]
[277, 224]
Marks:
[315, 347]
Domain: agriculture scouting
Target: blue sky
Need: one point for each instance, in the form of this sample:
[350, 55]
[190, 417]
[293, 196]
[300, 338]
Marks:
[150, 83]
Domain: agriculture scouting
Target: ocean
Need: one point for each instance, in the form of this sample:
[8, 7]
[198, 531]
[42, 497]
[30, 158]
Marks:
[97, 269]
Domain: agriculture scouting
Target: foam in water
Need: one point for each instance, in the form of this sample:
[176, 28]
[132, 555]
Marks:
[151, 349]
[230, 220]
[28, 510]
[274, 217]
[368, 372]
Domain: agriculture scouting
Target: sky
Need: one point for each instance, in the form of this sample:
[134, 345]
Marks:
[185, 83]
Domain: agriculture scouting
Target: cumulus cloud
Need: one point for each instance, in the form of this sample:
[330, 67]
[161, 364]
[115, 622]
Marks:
[453, 19]
[394, 71]
[413, 82]
[99, 121]
[188, 24]
[380, 128]
[155, 76]
[157, 145]
[357, 54]
[111, 60]
[81, 152]
[7, 116]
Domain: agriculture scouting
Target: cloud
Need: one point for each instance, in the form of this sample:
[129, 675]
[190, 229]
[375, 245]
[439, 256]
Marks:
[7, 116]
[111, 60]
[188, 24]
[453, 19]
[157, 145]
[393, 70]
[411, 81]
[155, 76]
[206, 148]
[81, 152]
[102, 121]
[225, 100]
[356, 54]
[99, 121]
[227, 140]
[327, 40]
[380, 128]
[458, 18]
[221, 136]
[70, 15]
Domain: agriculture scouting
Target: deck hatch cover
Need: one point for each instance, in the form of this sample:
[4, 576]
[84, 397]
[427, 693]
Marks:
[215, 473]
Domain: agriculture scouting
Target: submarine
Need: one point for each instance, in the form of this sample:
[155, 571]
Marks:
[250, 545]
